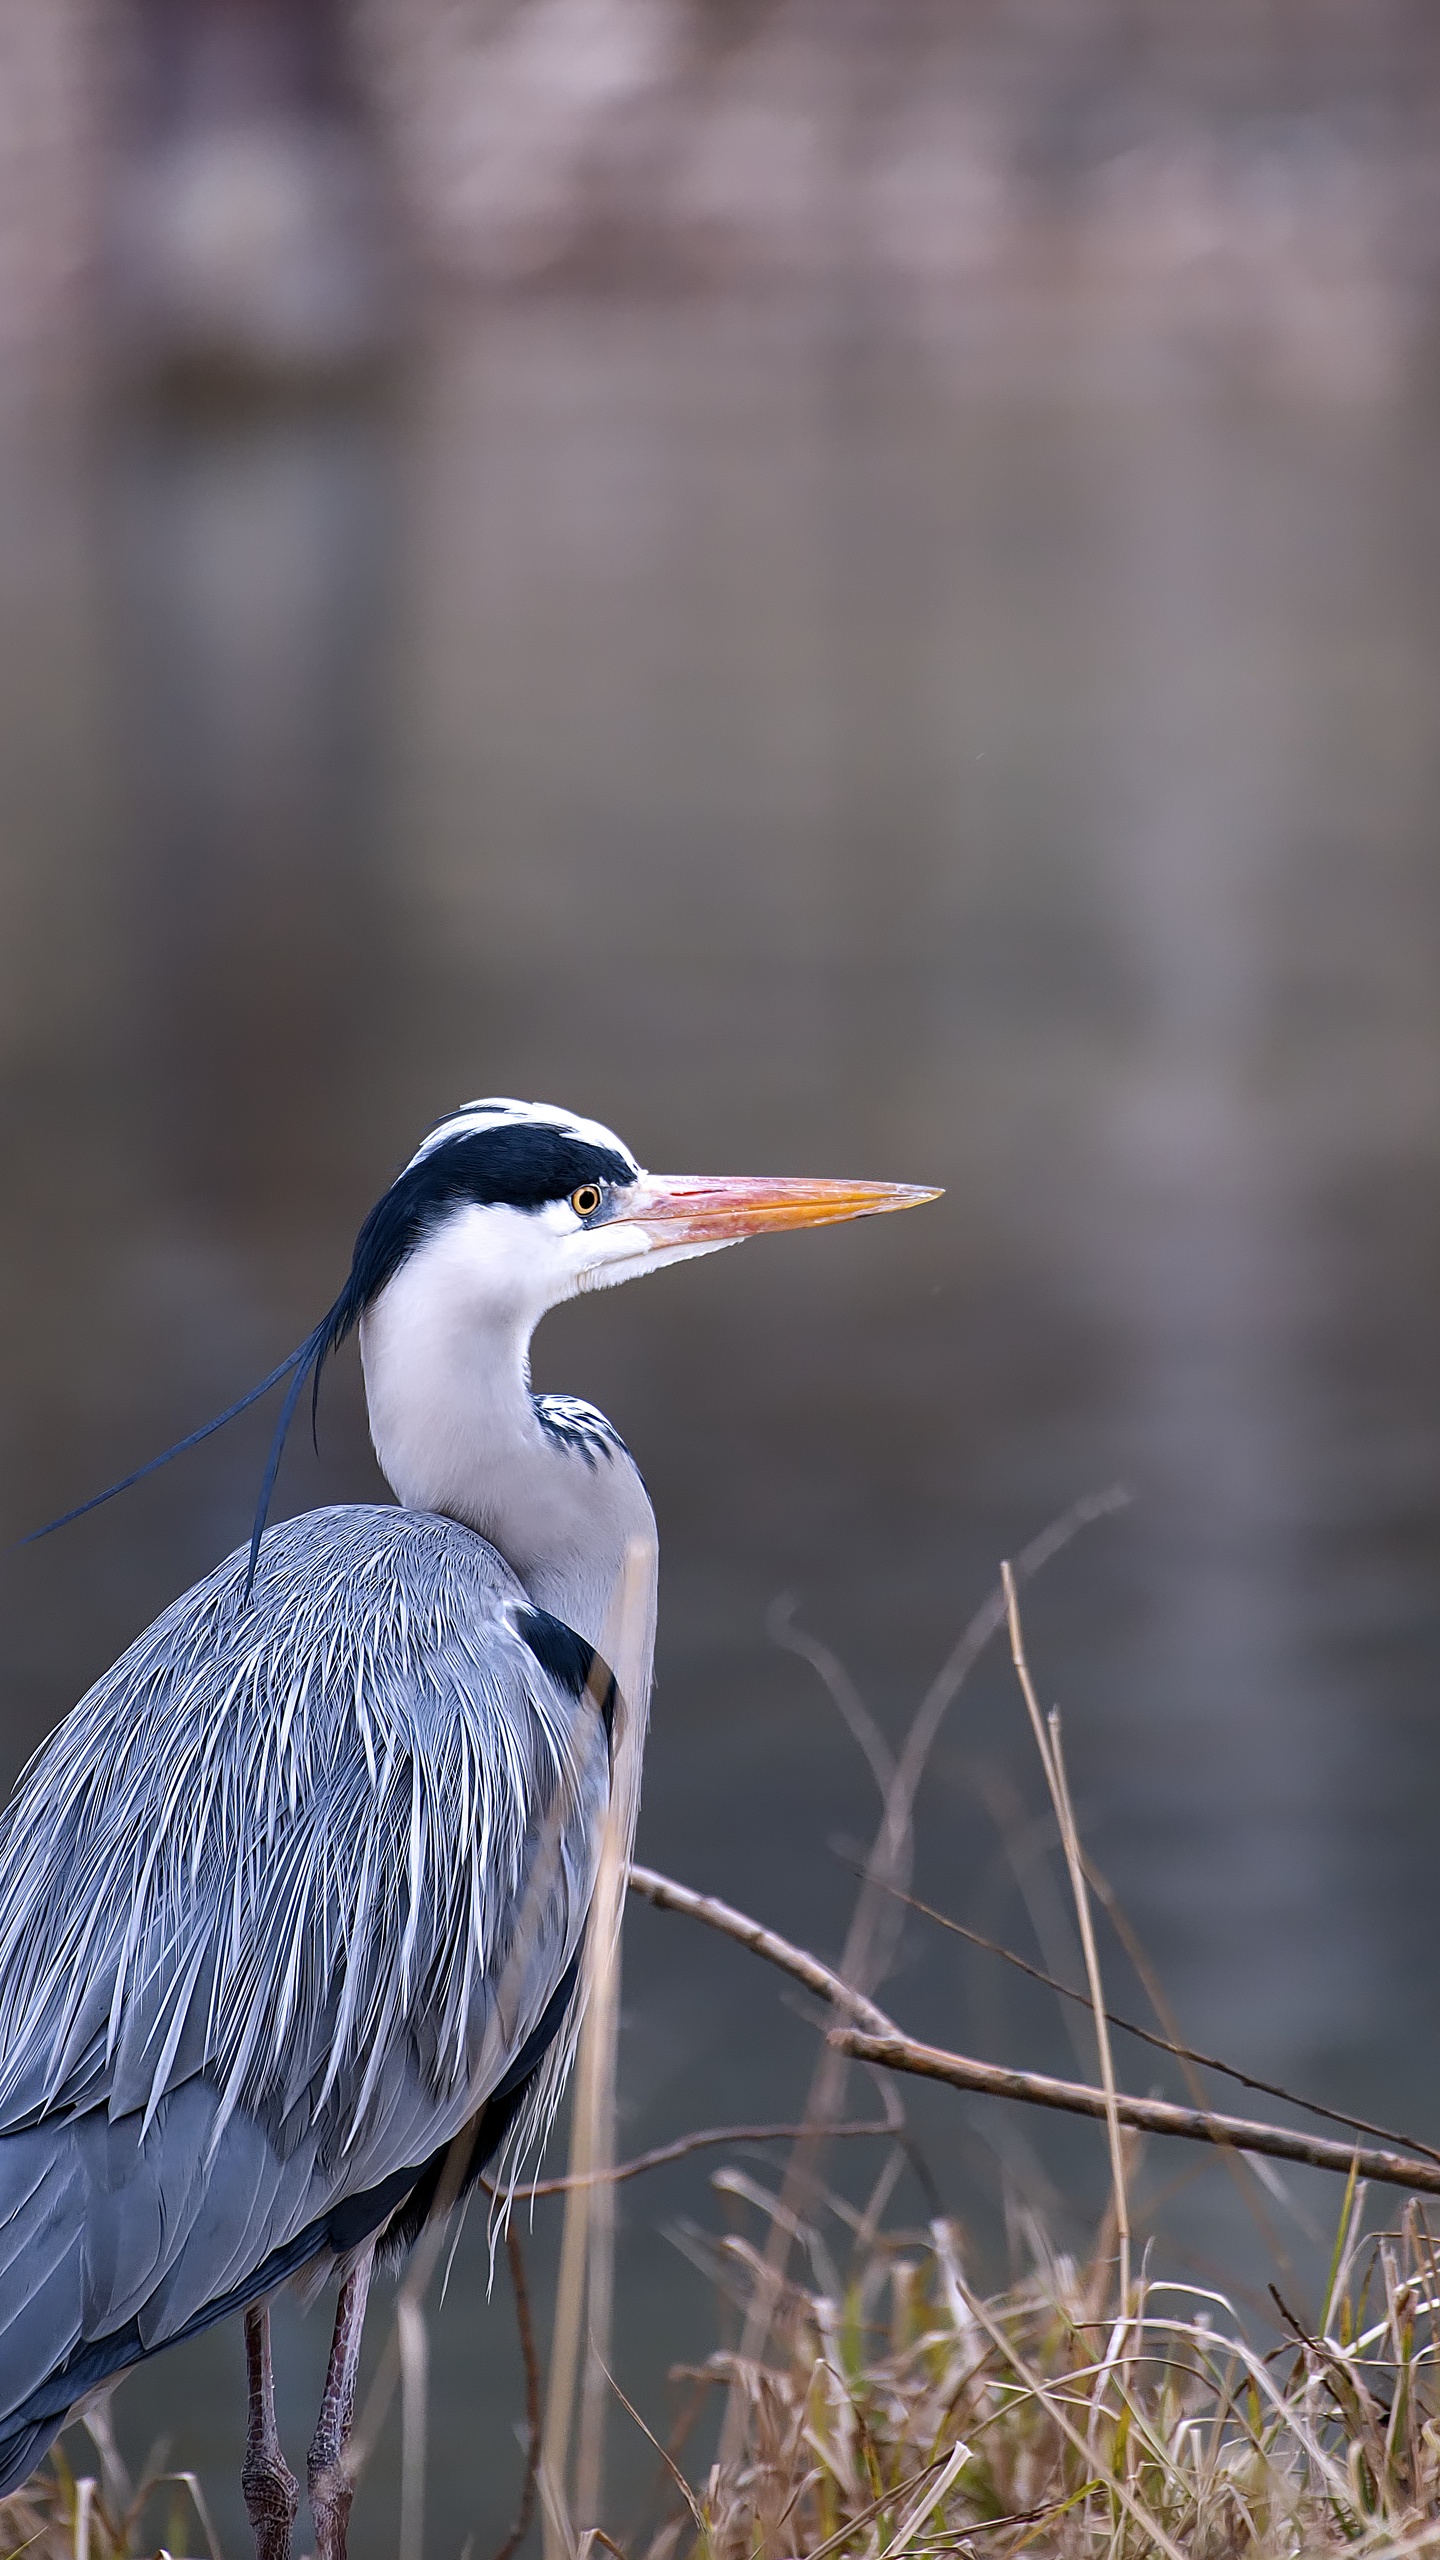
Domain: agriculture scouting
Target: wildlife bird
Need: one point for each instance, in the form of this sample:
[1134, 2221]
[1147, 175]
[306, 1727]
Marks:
[293, 1903]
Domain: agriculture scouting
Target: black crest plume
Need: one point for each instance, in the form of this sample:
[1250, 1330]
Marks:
[518, 1164]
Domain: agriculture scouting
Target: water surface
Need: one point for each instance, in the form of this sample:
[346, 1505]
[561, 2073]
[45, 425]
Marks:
[807, 760]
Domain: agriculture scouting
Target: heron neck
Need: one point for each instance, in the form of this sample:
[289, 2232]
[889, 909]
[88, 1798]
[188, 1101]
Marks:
[457, 1430]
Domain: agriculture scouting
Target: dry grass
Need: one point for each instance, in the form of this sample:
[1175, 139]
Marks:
[898, 2414]
[898, 2411]
[83, 2504]
[893, 2410]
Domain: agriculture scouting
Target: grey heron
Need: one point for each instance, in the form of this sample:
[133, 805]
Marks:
[296, 1895]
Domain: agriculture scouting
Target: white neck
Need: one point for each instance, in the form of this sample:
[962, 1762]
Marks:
[456, 1429]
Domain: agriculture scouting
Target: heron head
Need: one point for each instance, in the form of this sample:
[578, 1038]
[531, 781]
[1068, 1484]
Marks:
[508, 1208]
[517, 1206]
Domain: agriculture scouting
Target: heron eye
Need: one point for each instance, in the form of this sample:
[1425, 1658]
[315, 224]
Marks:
[586, 1200]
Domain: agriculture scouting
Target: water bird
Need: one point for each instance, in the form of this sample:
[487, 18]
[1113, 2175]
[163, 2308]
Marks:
[293, 1903]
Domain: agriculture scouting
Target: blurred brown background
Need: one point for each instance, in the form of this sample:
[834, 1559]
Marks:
[251, 177]
[850, 589]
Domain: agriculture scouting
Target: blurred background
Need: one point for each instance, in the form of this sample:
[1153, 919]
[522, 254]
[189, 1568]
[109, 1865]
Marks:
[850, 586]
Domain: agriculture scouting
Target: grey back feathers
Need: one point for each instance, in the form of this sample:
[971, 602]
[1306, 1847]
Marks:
[281, 1903]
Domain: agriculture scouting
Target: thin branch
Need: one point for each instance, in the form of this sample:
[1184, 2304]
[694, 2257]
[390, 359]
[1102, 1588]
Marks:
[710, 2139]
[893, 2050]
[526, 2327]
[864, 1959]
[781, 1628]
[987, 1623]
[897, 2052]
[1147, 2035]
[667, 1895]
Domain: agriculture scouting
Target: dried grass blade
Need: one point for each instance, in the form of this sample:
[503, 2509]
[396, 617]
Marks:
[585, 2292]
[862, 1962]
[84, 2509]
[1051, 2403]
[681, 2483]
[926, 2504]
[1052, 1761]
[413, 2345]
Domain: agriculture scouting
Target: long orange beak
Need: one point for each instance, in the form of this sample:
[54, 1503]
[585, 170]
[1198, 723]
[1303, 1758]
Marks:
[681, 1208]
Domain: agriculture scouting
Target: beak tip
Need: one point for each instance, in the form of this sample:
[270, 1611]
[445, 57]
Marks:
[906, 1195]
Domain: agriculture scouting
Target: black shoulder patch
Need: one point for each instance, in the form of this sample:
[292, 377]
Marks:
[569, 1660]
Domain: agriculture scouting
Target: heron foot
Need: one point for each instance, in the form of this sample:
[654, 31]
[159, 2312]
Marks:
[272, 2492]
[332, 2489]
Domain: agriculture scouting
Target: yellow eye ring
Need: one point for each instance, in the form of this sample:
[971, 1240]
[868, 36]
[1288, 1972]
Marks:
[586, 1200]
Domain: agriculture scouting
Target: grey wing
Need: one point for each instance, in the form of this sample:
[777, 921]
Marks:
[281, 1902]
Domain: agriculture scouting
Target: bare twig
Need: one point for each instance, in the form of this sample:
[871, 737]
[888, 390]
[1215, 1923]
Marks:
[898, 2052]
[893, 2050]
[863, 1960]
[987, 1623]
[889, 1853]
[781, 1628]
[710, 2139]
[667, 1895]
[1147, 2035]
[531, 2361]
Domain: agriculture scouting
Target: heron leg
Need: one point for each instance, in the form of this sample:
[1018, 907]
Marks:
[272, 2492]
[331, 2490]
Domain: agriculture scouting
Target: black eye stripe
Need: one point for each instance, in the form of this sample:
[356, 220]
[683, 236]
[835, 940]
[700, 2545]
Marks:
[518, 1165]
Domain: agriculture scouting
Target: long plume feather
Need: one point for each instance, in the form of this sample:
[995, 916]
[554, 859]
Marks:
[305, 1362]
[178, 1448]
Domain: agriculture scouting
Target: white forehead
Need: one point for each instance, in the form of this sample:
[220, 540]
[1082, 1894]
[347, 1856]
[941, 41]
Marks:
[502, 1111]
